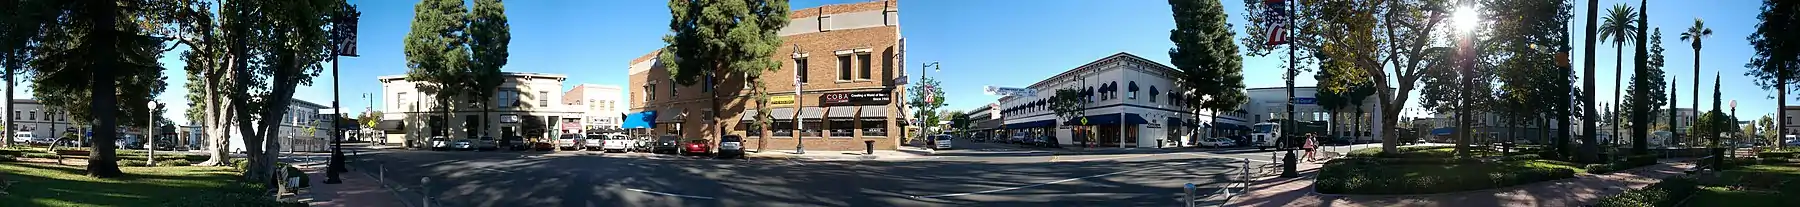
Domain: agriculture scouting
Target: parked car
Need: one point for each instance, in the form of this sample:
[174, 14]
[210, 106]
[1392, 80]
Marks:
[593, 141]
[641, 144]
[697, 147]
[942, 142]
[1216, 142]
[487, 143]
[569, 142]
[1016, 139]
[668, 144]
[438, 143]
[731, 145]
[513, 143]
[616, 143]
[24, 137]
[541, 144]
[463, 144]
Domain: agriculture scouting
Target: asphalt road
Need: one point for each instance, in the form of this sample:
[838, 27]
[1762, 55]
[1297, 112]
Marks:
[979, 174]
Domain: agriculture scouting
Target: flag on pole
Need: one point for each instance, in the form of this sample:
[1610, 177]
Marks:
[930, 94]
[1276, 12]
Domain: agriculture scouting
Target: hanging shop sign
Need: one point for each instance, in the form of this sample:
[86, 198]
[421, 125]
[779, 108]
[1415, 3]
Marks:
[856, 98]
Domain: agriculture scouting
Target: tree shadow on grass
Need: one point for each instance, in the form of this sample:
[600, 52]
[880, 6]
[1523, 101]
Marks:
[55, 185]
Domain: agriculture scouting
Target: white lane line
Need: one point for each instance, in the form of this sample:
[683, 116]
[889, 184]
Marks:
[492, 170]
[1106, 158]
[669, 194]
[1033, 185]
[1226, 157]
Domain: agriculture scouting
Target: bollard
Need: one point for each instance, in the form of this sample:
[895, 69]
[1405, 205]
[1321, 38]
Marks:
[382, 176]
[1187, 195]
[425, 184]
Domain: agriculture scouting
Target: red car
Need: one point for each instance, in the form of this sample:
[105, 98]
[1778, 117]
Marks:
[696, 147]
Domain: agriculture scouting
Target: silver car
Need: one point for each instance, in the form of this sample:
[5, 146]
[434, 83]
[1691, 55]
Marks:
[463, 144]
[486, 143]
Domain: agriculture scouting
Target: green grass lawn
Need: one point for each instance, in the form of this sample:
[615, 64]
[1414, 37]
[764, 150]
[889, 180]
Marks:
[56, 185]
[1766, 185]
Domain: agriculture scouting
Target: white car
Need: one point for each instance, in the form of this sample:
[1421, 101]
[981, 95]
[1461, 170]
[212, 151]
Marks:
[593, 141]
[616, 142]
[570, 141]
[24, 137]
[439, 143]
[1215, 142]
[942, 141]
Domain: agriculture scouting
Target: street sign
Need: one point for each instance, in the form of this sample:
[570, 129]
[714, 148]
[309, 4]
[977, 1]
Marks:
[1083, 120]
[1305, 100]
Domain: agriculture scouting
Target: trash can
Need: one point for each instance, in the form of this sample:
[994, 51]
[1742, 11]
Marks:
[868, 147]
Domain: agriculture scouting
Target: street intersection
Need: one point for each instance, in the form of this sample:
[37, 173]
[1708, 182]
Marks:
[979, 174]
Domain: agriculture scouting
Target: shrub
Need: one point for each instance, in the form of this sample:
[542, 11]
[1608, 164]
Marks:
[1379, 176]
[240, 164]
[1523, 157]
[133, 163]
[7, 158]
[40, 155]
[236, 194]
[1669, 192]
[173, 163]
[1402, 152]
[14, 153]
[1775, 154]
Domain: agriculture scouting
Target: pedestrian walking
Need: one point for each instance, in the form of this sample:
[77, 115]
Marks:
[1310, 146]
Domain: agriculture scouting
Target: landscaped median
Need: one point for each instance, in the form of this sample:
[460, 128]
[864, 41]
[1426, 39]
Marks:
[41, 184]
[1428, 170]
[1771, 180]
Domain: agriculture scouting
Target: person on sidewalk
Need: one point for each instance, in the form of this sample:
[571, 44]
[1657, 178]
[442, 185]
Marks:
[1310, 146]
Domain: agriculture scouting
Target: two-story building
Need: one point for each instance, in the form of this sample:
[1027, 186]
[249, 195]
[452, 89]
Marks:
[845, 60]
[1130, 102]
[523, 106]
[601, 106]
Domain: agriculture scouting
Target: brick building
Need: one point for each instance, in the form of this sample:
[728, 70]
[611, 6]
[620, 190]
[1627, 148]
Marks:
[849, 60]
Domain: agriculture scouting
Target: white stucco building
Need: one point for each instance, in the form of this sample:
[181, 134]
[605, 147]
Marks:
[601, 106]
[31, 116]
[1129, 105]
[524, 106]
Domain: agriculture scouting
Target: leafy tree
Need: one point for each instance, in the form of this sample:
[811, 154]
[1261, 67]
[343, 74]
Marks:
[1693, 35]
[918, 99]
[488, 37]
[1531, 48]
[1654, 91]
[437, 58]
[370, 120]
[1620, 28]
[1769, 131]
[1641, 132]
[1369, 35]
[1720, 124]
[709, 41]
[1777, 59]
[961, 122]
[1211, 70]
[1069, 104]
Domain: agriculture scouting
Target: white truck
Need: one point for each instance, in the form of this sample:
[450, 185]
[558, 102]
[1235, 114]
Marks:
[1265, 135]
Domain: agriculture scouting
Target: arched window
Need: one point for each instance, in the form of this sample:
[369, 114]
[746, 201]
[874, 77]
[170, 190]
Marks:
[1132, 88]
[1153, 94]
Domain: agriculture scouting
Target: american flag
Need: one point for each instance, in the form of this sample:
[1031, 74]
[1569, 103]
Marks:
[1276, 12]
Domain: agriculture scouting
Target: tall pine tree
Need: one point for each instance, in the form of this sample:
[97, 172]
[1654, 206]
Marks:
[1209, 64]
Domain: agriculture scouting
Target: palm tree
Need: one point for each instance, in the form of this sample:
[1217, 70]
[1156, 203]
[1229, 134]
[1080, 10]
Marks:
[1619, 26]
[1693, 35]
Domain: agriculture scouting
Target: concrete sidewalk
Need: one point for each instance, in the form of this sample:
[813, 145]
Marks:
[357, 190]
[1582, 190]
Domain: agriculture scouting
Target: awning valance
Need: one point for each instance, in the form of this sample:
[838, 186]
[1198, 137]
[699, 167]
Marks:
[841, 112]
[748, 115]
[1032, 124]
[812, 113]
[782, 113]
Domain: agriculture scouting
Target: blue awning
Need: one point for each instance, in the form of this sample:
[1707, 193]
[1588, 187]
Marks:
[639, 120]
[1032, 124]
[1442, 131]
[1107, 119]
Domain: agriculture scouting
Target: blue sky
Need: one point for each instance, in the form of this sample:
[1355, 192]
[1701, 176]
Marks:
[592, 41]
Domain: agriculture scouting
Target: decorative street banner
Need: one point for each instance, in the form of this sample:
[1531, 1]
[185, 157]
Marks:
[345, 30]
[856, 98]
[1009, 91]
[781, 100]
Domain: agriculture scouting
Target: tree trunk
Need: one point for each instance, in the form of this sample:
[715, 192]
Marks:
[10, 66]
[1618, 77]
[105, 102]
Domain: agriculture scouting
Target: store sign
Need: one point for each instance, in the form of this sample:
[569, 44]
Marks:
[856, 98]
[571, 126]
[1009, 91]
[509, 118]
[781, 100]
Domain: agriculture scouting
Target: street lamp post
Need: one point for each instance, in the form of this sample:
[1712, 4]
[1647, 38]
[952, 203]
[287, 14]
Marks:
[149, 133]
[799, 121]
[343, 31]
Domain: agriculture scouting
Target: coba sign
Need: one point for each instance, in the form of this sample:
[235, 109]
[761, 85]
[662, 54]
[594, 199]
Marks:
[855, 98]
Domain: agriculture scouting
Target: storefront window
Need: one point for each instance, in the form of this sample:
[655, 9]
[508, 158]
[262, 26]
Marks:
[812, 128]
[842, 128]
[874, 128]
[782, 129]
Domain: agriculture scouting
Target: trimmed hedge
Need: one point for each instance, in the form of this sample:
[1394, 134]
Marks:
[236, 194]
[1629, 163]
[1776, 155]
[1669, 192]
[173, 163]
[1404, 152]
[40, 155]
[1385, 177]
[133, 163]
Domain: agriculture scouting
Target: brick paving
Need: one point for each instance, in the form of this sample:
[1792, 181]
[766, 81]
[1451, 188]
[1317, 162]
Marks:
[357, 190]
[1578, 191]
